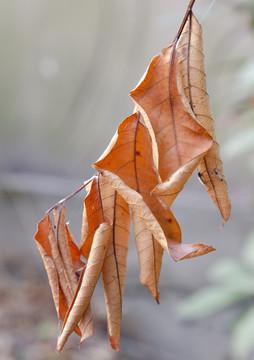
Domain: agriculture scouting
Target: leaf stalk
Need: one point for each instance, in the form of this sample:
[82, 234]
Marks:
[71, 195]
[189, 10]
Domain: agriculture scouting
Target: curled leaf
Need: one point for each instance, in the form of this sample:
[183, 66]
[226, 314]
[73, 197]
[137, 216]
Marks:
[89, 280]
[128, 167]
[63, 289]
[181, 141]
[149, 255]
[191, 58]
[93, 216]
[114, 266]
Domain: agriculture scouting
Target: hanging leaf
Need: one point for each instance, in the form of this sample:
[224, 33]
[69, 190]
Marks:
[128, 166]
[94, 216]
[149, 255]
[63, 283]
[145, 166]
[114, 266]
[181, 141]
[191, 58]
[89, 280]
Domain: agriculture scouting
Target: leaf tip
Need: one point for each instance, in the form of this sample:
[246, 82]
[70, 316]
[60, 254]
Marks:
[114, 342]
[158, 298]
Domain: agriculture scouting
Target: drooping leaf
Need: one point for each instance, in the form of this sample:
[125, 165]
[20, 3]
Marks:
[67, 250]
[181, 141]
[62, 290]
[94, 216]
[149, 255]
[43, 245]
[77, 263]
[114, 266]
[103, 202]
[145, 166]
[89, 280]
[64, 249]
[128, 166]
[191, 58]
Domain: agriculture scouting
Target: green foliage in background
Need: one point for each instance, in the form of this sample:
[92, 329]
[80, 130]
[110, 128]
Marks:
[233, 282]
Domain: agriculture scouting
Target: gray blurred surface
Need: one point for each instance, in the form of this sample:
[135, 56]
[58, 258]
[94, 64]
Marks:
[66, 71]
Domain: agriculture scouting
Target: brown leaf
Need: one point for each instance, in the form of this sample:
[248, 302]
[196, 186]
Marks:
[43, 245]
[89, 280]
[70, 255]
[114, 266]
[77, 263]
[61, 288]
[112, 207]
[130, 159]
[45, 238]
[94, 216]
[64, 250]
[181, 141]
[42, 234]
[149, 255]
[190, 51]
[129, 168]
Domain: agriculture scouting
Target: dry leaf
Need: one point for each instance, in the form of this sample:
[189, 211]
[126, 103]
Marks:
[145, 166]
[149, 255]
[68, 254]
[42, 242]
[64, 250]
[128, 166]
[114, 266]
[190, 51]
[62, 289]
[104, 203]
[181, 141]
[89, 280]
[94, 216]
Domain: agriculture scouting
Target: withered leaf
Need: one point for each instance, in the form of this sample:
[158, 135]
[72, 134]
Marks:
[89, 280]
[112, 207]
[149, 255]
[190, 52]
[93, 216]
[62, 290]
[69, 254]
[128, 166]
[145, 166]
[43, 245]
[114, 266]
[181, 141]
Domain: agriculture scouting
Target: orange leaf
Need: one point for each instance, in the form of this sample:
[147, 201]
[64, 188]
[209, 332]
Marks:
[89, 280]
[93, 216]
[190, 52]
[63, 289]
[149, 255]
[128, 165]
[114, 266]
[181, 141]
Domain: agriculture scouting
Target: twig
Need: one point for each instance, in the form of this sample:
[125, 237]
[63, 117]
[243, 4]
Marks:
[71, 195]
[189, 9]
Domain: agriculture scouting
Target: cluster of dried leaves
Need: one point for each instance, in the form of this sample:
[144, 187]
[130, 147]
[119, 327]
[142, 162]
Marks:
[146, 165]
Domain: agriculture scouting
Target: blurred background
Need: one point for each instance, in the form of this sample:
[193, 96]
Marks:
[66, 69]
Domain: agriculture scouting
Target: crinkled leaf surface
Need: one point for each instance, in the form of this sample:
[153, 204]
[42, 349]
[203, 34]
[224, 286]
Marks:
[129, 164]
[190, 51]
[89, 280]
[181, 141]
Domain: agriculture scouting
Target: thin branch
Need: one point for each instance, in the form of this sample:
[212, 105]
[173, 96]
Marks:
[71, 195]
[189, 9]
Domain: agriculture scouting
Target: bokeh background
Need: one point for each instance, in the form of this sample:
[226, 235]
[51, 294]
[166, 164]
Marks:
[66, 68]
